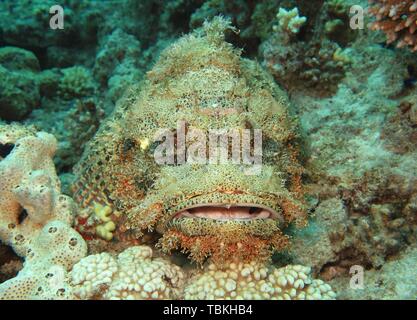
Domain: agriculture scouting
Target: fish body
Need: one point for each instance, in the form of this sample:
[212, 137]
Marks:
[200, 87]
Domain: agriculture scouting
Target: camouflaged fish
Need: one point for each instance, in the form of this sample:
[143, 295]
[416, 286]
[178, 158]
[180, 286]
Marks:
[204, 209]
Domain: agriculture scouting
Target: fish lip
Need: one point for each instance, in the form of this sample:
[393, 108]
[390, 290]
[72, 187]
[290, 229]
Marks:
[274, 215]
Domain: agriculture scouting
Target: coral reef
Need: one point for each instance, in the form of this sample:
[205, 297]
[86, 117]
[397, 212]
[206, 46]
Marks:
[105, 229]
[397, 19]
[117, 64]
[80, 124]
[254, 282]
[54, 267]
[26, 23]
[19, 90]
[58, 93]
[320, 64]
[30, 190]
[356, 101]
[70, 110]
[134, 275]
[76, 82]
[49, 256]
[35, 218]
[308, 60]
[396, 280]
[289, 21]
[362, 150]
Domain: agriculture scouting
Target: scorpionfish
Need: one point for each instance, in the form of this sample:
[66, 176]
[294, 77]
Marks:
[204, 207]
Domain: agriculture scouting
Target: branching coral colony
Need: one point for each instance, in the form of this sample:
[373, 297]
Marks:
[123, 193]
[397, 19]
[301, 52]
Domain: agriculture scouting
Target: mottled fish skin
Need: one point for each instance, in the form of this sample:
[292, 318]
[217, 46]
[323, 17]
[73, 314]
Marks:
[200, 80]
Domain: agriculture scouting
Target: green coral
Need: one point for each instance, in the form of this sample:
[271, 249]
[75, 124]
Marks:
[48, 82]
[289, 21]
[76, 82]
[19, 90]
[337, 8]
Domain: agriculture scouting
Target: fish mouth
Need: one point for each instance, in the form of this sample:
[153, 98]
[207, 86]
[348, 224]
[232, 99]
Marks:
[219, 230]
[229, 212]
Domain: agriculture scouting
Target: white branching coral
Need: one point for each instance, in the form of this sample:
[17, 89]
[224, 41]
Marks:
[254, 281]
[289, 21]
[134, 275]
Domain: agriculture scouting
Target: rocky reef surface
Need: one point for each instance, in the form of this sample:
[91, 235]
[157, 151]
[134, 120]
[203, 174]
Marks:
[355, 98]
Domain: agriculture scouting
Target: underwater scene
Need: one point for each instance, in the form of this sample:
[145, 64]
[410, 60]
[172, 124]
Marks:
[208, 149]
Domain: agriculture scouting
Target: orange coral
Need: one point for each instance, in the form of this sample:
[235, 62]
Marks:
[397, 19]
